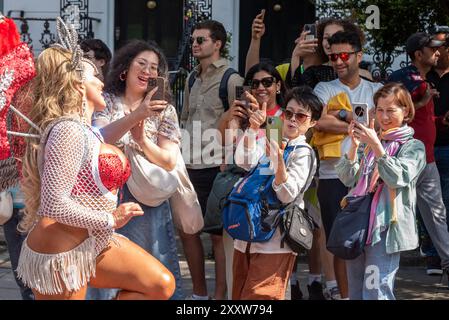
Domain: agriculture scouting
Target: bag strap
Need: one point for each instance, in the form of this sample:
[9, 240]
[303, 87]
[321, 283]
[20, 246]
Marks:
[223, 90]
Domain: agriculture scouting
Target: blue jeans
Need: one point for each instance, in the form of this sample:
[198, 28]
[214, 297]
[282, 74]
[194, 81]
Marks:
[14, 241]
[442, 162]
[371, 275]
[154, 231]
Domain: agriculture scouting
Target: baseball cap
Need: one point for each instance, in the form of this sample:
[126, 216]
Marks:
[419, 40]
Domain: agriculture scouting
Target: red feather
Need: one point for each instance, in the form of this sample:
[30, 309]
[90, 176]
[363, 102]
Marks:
[9, 36]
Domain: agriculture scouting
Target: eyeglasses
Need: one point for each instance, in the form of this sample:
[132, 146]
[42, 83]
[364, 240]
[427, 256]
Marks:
[266, 82]
[300, 117]
[200, 40]
[144, 66]
[344, 56]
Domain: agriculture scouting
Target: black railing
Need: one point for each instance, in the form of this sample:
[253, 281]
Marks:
[194, 11]
[47, 36]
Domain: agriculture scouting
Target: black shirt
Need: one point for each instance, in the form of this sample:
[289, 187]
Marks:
[311, 76]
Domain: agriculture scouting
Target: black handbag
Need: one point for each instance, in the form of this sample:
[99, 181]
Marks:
[297, 225]
[350, 229]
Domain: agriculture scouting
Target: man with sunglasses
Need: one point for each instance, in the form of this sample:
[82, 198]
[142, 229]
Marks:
[346, 54]
[203, 107]
[438, 77]
[424, 53]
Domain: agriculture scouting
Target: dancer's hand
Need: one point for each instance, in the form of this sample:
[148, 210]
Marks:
[125, 212]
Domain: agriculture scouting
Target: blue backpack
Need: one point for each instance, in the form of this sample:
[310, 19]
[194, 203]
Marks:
[252, 211]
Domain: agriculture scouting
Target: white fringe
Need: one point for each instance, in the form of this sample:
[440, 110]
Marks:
[44, 272]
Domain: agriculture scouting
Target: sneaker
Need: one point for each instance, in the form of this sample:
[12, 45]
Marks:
[433, 266]
[333, 294]
[316, 291]
[295, 291]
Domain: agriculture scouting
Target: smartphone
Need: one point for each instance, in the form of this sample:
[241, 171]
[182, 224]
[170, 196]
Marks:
[361, 113]
[158, 82]
[274, 129]
[312, 28]
[239, 94]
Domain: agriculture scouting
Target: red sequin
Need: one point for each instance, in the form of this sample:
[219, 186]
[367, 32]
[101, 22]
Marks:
[112, 174]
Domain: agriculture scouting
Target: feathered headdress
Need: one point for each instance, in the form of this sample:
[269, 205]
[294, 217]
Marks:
[16, 69]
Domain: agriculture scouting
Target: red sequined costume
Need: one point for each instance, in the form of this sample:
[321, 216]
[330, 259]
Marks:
[16, 69]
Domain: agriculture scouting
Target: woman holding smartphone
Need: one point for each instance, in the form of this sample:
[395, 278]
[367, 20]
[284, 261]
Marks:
[133, 118]
[389, 168]
[261, 269]
[266, 86]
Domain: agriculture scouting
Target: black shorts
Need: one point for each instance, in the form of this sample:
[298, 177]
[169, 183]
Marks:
[202, 180]
[330, 194]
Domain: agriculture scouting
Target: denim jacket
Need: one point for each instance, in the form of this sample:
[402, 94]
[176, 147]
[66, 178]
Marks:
[398, 172]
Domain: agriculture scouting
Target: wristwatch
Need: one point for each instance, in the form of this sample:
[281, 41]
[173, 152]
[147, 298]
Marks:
[342, 114]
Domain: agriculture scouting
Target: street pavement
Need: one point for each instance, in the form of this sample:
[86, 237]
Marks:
[412, 282]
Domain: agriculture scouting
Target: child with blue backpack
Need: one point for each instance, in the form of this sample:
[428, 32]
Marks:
[262, 264]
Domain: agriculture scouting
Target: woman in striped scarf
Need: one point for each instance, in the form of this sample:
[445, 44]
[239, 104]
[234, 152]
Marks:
[388, 167]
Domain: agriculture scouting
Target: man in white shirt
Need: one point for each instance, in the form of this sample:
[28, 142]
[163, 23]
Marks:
[346, 54]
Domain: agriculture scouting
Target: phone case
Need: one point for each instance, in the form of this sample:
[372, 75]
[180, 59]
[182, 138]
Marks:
[312, 28]
[239, 94]
[274, 129]
[361, 113]
[158, 82]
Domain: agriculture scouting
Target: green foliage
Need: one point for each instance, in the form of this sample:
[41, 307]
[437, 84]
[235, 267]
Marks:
[398, 19]
[227, 48]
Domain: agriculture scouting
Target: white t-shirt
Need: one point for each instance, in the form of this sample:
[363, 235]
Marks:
[363, 93]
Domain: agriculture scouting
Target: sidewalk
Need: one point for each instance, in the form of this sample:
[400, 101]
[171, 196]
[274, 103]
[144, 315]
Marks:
[412, 283]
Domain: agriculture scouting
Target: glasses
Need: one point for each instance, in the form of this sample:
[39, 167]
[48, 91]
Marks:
[144, 66]
[300, 117]
[266, 82]
[200, 40]
[344, 56]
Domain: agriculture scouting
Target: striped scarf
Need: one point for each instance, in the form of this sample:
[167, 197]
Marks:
[369, 174]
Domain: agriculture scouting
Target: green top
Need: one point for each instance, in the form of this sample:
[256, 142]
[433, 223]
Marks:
[398, 172]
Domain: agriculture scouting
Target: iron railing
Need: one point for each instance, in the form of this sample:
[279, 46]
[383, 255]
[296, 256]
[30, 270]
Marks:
[194, 11]
[47, 36]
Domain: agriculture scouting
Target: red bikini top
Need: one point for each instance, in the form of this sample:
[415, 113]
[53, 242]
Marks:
[112, 174]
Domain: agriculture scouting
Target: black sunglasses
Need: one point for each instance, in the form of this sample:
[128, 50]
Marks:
[266, 82]
[200, 40]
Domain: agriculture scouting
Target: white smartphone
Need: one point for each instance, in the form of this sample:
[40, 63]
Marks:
[361, 113]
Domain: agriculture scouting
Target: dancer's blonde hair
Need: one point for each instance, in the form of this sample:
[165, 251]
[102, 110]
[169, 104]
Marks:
[56, 94]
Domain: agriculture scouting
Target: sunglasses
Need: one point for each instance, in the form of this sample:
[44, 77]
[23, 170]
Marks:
[200, 40]
[266, 82]
[300, 117]
[344, 56]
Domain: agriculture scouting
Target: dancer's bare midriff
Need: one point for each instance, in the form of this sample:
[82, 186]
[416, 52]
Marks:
[51, 237]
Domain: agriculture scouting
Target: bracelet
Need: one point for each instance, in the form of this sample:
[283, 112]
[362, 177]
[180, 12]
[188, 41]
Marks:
[384, 157]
